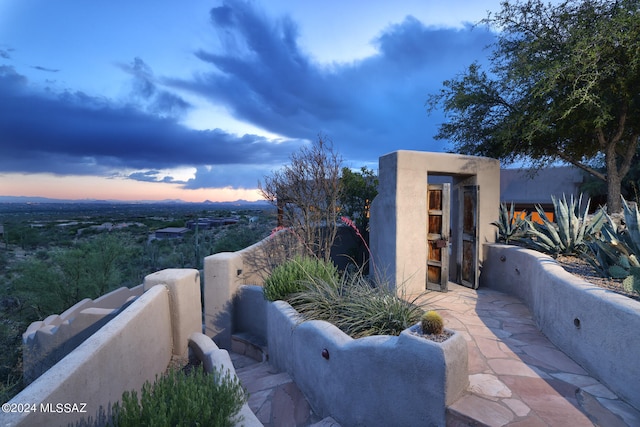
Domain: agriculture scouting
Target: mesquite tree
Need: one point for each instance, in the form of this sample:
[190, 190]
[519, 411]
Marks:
[563, 85]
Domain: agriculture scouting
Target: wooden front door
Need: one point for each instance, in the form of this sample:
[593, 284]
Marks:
[438, 227]
[467, 257]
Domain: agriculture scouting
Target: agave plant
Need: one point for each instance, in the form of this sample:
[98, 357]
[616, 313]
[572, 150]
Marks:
[631, 234]
[615, 252]
[569, 231]
[511, 227]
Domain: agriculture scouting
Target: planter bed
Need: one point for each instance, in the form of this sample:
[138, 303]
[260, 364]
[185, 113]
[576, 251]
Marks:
[375, 381]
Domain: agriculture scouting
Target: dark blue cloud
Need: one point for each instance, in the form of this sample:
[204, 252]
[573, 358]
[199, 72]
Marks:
[259, 72]
[5, 52]
[146, 95]
[369, 107]
[146, 176]
[48, 70]
[73, 133]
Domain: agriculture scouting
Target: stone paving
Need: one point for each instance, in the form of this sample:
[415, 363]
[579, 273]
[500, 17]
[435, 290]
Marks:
[517, 377]
[274, 397]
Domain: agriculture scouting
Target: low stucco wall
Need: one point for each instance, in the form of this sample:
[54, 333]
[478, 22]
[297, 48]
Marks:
[597, 328]
[373, 381]
[46, 342]
[132, 348]
[122, 355]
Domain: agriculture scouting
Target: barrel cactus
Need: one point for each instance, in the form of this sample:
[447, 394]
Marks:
[432, 323]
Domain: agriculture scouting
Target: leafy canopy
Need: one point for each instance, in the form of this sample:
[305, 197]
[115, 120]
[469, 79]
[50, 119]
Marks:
[358, 191]
[563, 84]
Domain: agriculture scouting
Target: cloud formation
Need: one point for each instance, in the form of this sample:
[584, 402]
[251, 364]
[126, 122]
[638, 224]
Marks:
[261, 75]
[72, 133]
[374, 104]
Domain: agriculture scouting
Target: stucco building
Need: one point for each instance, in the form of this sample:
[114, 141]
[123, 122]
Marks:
[431, 216]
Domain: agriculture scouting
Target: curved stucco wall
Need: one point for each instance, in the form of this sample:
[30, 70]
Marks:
[373, 381]
[226, 272]
[114, 359]
[596, 327]
[46, 342]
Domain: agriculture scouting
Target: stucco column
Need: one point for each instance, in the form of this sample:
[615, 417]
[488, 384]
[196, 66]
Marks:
[184, 303]
[221, 276]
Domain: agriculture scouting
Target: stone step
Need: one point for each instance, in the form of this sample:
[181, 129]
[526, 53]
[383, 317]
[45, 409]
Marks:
[248, 345]
[274, 397]
[455, 418]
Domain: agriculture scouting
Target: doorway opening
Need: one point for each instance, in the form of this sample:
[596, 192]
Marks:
[452, 231]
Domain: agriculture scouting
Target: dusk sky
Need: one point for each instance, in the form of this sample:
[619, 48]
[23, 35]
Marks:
[196, 100]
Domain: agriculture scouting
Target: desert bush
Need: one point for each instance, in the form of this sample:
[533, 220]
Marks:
[179, 399]
[307, 193]
[355, 305]
[287, 278]
[10, 359]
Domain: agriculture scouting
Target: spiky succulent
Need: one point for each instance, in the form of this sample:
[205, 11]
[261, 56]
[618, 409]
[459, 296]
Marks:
[512, 227]
[569, 231]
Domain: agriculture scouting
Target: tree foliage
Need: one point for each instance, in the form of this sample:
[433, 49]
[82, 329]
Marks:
[306, 193]
[563, 84]
[358, 191]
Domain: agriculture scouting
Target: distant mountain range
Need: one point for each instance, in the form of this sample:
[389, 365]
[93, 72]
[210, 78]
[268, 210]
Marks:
[34, 200]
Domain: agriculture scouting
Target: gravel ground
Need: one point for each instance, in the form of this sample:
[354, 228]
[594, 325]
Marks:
[583, 269]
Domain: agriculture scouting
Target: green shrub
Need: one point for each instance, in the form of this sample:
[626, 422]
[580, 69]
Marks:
[432, 323]
[631, 283]
[356, 306]
[179, 399]
[288, 278]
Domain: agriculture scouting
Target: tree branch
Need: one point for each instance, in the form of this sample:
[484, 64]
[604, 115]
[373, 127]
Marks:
[582, 166]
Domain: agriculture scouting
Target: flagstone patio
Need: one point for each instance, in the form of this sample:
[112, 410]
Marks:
[517, 377]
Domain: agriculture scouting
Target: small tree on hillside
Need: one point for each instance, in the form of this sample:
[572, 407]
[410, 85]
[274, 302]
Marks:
[306, 193]
[563, 85]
